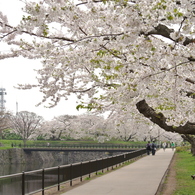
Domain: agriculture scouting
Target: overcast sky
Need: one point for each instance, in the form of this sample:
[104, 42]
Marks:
[20, 71]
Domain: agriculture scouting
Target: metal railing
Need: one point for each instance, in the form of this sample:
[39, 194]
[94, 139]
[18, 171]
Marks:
[39, 180]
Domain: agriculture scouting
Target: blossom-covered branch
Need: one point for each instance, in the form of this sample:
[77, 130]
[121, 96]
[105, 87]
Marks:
[159, 119]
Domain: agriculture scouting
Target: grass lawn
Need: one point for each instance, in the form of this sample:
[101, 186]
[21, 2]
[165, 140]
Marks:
[185, 167]
[8, 143]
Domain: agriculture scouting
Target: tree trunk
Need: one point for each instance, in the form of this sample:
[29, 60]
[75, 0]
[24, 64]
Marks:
[191, 140]
[24, 141]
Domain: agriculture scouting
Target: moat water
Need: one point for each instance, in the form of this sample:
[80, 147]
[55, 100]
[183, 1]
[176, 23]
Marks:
[13, 185]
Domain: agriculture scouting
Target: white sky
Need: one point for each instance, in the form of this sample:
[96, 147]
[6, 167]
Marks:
[20, 71]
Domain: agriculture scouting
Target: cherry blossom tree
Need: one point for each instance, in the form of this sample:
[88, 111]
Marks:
[74, 127]
[26, 124]
[58, 128]
[51, 130]
[90, 126]
[123, 127]
[134, 55]
[4, 120]
[66, 122]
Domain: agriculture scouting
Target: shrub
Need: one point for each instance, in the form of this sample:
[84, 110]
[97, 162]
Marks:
[182, 148]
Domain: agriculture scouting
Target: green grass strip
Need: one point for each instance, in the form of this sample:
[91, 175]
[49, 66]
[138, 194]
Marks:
[185, 167]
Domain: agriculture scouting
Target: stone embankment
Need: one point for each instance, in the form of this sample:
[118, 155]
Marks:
[18, 156]
[12, 156]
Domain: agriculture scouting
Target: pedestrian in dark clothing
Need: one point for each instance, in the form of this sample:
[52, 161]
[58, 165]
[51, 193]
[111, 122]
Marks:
[148, 148]
[153, 148]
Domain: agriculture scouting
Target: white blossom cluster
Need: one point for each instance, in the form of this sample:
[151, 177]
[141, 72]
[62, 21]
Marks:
[118, 52]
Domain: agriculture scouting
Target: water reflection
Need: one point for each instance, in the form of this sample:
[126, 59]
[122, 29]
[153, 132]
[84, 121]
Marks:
[13, 186]
[9, 169]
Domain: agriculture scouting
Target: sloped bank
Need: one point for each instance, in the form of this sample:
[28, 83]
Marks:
[12, 156]
[18, 156]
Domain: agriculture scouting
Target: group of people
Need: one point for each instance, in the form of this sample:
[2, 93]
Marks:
[165, 145]
[151, 147]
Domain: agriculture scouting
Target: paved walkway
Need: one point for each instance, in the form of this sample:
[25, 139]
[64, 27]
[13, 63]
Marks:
[142, 177]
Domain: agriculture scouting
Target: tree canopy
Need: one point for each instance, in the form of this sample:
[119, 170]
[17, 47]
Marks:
[26, 124]
[113, 54]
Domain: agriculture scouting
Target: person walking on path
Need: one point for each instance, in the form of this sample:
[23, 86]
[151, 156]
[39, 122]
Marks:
[172, 145]
[164, 145]
[148, 148]
[153, 146]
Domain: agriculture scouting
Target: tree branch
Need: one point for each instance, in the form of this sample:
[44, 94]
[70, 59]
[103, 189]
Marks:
[165, 32]
[190, 80]
[33, 34]
[86, 2]
[160, 30]
[160, 120]
[167, 69]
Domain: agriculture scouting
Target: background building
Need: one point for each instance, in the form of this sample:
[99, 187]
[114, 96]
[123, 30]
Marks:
[2, 99]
